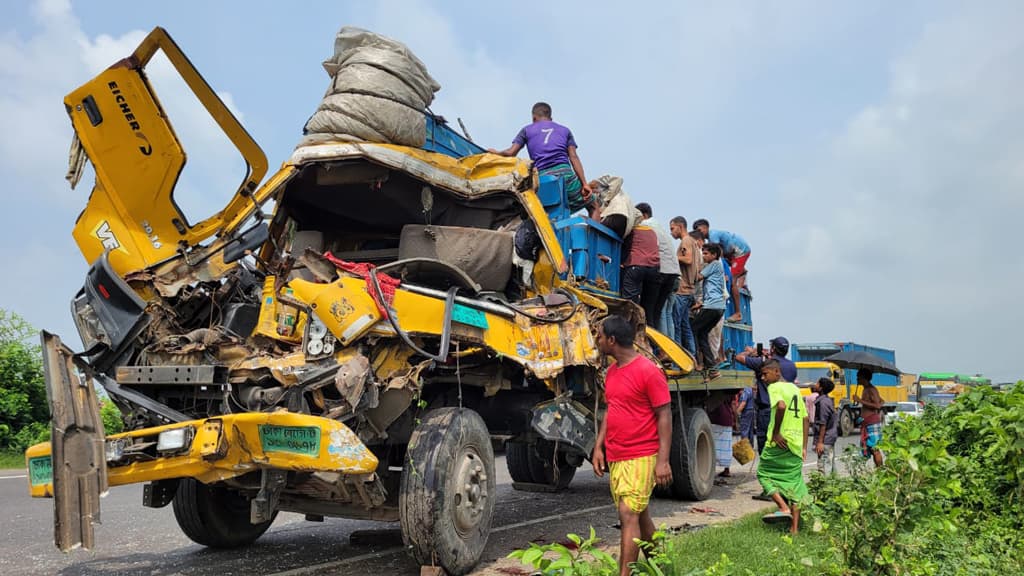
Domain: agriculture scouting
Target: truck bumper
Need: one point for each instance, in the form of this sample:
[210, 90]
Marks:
[220, 448]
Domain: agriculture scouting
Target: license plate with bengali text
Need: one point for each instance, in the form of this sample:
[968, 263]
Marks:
[293, 439]
[40, 470]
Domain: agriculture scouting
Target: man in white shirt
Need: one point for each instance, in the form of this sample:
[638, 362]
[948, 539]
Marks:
[669, 269]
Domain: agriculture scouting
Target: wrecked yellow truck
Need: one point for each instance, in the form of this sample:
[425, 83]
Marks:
[351, 352]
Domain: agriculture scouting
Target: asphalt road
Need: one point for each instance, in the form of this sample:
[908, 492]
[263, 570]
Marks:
[134, 540]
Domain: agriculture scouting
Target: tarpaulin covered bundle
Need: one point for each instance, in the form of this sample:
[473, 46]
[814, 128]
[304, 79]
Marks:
[379, 92]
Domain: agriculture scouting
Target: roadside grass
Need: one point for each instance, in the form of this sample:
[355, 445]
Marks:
[11, 459]
[752, 547]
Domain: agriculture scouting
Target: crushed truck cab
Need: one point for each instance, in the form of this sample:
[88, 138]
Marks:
[354, 353]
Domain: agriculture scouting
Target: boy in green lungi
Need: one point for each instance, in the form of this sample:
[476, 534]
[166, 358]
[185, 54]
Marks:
[780, 471]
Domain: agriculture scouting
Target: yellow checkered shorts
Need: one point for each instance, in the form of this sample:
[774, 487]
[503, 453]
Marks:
[632, 481]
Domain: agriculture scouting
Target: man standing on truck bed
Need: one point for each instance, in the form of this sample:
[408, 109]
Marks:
[737, 252]
[668, 267]
[779, 347]
[635, 436]
[871, 417]
[690, 260]
[553, 150]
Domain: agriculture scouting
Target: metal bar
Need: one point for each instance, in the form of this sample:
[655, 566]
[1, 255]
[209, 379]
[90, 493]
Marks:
[185, 374]
[77, 441]
[129, 395]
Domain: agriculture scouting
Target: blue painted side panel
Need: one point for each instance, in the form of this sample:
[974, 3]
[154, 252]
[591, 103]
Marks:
[730, 308]
[735, 338]
[594, 253]
[443, 139]
[550, 193]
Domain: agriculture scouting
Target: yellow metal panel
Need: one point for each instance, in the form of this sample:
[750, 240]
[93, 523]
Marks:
[236, 213]
[545, 349]
[343, 306]
[545, 231]
[277, 319]
[138, 159]
[476, 167]
[892, 393]
[679, 357]
[255, 159]
[239, 449]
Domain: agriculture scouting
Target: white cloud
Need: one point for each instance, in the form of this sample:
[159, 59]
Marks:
[909, 216]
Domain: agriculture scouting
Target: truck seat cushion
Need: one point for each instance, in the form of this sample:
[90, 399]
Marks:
[484, 255]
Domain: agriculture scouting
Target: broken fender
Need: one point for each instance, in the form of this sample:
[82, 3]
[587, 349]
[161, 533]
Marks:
[228, 446]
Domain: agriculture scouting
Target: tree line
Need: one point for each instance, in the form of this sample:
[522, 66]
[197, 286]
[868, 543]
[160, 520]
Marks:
[24, 410]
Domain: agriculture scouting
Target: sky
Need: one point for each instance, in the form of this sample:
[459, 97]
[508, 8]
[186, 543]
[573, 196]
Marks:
[872, 153]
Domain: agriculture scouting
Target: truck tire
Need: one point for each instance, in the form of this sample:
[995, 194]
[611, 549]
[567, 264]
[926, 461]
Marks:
[847, 423]
[517, 459]
[214, 516]
[692, 461]
[447, 496]
[533, 464]
[548, 468]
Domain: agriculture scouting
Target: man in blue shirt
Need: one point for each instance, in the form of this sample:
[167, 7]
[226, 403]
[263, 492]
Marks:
[709, 308]
[778, 348]
[737, 252]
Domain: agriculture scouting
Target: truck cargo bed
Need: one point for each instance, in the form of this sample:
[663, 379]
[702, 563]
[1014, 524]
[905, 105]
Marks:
[728, 380]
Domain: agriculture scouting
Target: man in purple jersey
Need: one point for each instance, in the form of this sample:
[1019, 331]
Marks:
[553, 150]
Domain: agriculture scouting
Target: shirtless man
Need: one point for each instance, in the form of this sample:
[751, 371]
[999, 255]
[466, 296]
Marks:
[871, 417]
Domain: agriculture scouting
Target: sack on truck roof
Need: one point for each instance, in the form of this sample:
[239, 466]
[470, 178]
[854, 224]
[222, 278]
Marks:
[379, 92]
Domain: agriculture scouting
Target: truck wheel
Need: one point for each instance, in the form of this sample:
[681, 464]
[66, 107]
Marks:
[548, 468]
[214, 516]
[447, 495]
[846, 423]
[517, 459]
[692, 462]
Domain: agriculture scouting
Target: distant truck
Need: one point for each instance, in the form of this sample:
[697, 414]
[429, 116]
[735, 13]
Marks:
[941, 388]
[810, 365]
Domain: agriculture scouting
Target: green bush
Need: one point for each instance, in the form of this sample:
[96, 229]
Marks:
[947, 500]
[23, 406]
[31, 434]
[111, 416]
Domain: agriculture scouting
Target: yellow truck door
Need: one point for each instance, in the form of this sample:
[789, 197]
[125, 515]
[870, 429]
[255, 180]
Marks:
[122, 128]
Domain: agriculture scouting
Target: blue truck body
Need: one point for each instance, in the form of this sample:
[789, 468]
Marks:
[443, 139]
[817, 352]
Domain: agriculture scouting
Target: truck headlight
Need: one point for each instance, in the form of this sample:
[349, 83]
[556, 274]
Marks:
[90, 329]
[114, 449]
[172, 440]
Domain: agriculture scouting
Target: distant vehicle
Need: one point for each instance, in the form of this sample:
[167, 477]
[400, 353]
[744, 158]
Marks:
[942, 388]
[810, 365]
[903, 410]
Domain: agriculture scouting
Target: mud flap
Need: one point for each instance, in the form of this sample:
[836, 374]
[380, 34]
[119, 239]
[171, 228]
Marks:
[562, 420]
[77, 440]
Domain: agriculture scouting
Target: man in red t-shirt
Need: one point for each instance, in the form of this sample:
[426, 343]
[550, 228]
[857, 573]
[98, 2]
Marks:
[635, 436]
